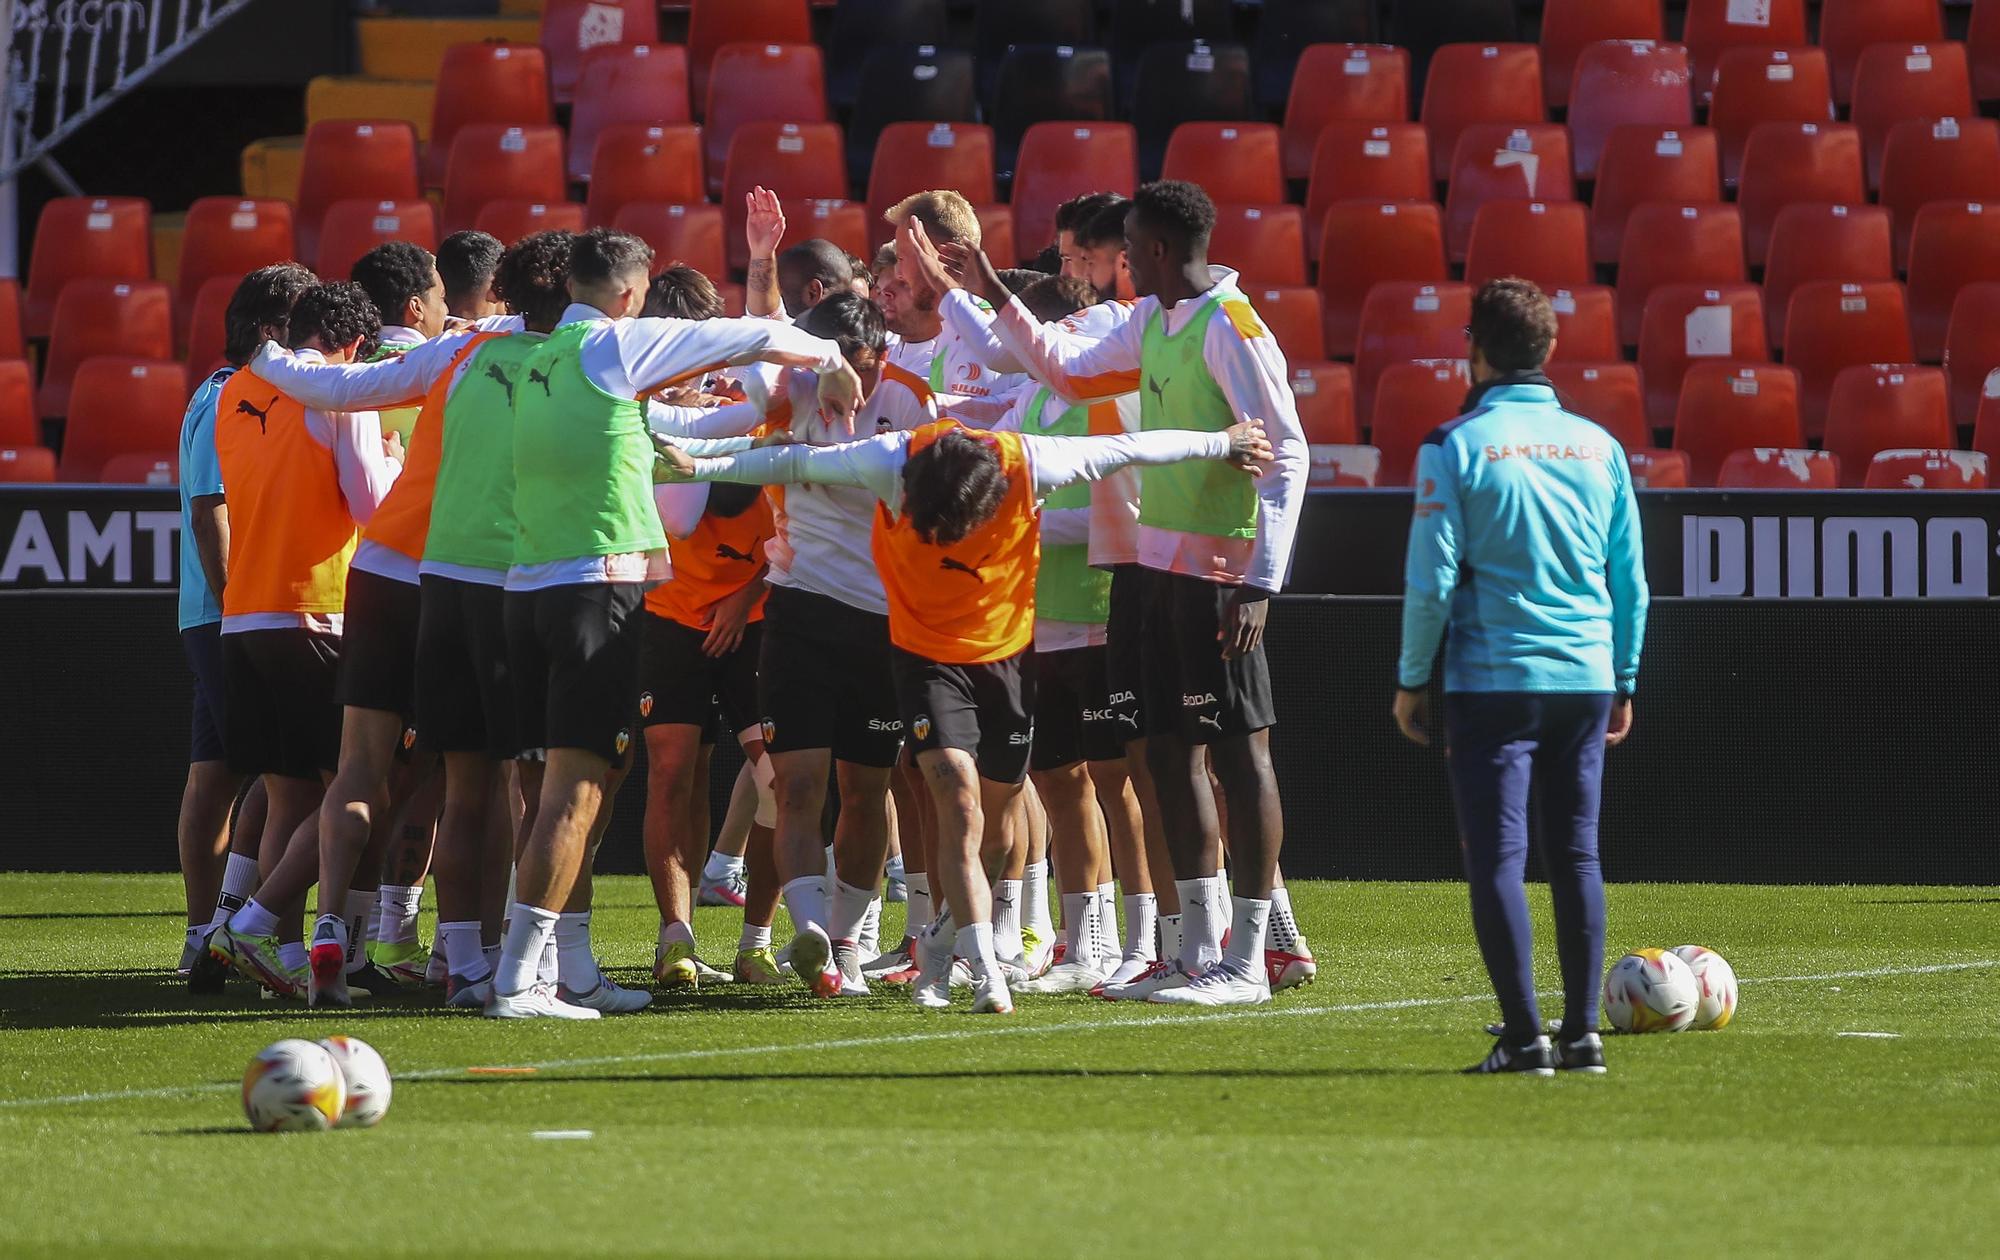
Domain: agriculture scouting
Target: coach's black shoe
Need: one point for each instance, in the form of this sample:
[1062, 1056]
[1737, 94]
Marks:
[1532, 1060]
[372, 980]
[207, 972]
[1585, 1054]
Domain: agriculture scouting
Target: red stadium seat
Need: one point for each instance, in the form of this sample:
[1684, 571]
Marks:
[1364, 162]
[573, 29]
[1789, 162]
[1470, 84]
[207, 334]
[845, 223]
[1954, 244]
[1687, 323]
[1342, 466]
[503, 84]
[1927, 470]
[1713, 26]
[120, 404]
[776, 83]
[1627, 81]
[101, 238]
[1813, 241]
[1061, 160]
[1608, 393]
[1571, 27]
[1292, 314]
[1232, 161]
[104, 317]
[11, 343]
[1496, 161]
[1403, 321]
[1725, 407]
[1848, 27]
[794, 160]
[1265, 243]
[1367, 83]
[1760, 85]
[352, 228]
[1644, 163]
[996, 231]
[1586, 324]
[510, 218]
[1972, 347]
[1982, 45]
[626, 84]
[1946, 159]
[1885, 406]
[1667, 243]
[490, 162]
[1325, 396]
[20, 422]
[25, 464]
[346, 160]
[911, 157]
[1779, 468]
[1546, 242]
[1654, 469]
[716, 23]
[141, 468]
[690, 234]
[638, 162]
[1377, 242]
[1834, 325]
[1412, 399]
[227, 236]
[1902, 81]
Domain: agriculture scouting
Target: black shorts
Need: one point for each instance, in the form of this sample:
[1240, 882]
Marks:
[987, 710]
[1075, 719]
[680, 685]
[465, 687]
[378, 657]
[1190, 690]
[1124, 632]
[280, 715]
[823, 680]
[574, 651]
[203, 645]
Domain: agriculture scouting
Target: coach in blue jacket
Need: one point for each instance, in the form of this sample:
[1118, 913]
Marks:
[1525, 558]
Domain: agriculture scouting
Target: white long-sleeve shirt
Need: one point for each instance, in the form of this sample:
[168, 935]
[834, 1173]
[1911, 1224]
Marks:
[1249, 369]
[954, 366]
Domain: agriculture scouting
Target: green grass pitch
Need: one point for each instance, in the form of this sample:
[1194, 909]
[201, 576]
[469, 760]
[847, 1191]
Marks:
[760, 1123]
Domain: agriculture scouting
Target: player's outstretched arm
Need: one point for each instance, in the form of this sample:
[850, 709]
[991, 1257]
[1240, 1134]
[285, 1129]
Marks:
[1058, 461]
[764, 226]
[662, 352]
[874, 464]
[357, 386]
[1072, 366]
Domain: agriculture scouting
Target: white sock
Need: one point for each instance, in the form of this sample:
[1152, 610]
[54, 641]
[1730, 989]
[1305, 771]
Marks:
[1246, 934]
[1107, 919]
[1035, 895]
[239, 880]
[1142, 911]
[893, 868]
[671, 933]
[1170, 936]
[462, 954]
[805, 899]
[575, 963]
[292, 954]
[754, 937]
[720, 865]
[1227, 912]
[975, 944]
[1196, 911]
[1075, 931]
[550, 969]
[918, 911]
[360, 912]
[870, 940]
[850, 907]
[1284, 933]
[1007, 917]
[529, 931]
[396, 907]
[253, 920]
[1098, 949]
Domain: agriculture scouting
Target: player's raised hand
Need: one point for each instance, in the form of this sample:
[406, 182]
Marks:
[840, 397]
[1249, 448]
[915, 244]
[764, 224]
[974, 271]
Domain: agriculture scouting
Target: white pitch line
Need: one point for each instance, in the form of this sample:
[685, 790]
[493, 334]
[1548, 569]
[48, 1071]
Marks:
[961, 1034]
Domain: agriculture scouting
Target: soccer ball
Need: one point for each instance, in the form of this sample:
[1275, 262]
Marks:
[1650, 990]
[367, 1080]
[293, 1086]
[1715, 979]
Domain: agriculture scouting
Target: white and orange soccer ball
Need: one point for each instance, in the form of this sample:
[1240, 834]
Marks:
[293, 1086]
[1715, 982]
[1650, 990]
[366, 1079]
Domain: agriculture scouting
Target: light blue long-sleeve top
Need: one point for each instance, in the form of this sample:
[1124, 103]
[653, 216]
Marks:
[1525, 554]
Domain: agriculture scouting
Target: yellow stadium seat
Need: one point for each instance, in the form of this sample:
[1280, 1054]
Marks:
[412, 47]
[168, 229]
[356, 96]
[271, 167]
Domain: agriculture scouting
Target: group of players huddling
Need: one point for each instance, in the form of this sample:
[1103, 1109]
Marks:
[987, 554]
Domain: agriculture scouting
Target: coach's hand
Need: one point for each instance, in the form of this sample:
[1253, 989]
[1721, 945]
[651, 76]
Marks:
[1413, 715]
[840, 397]
[676, 463]
[1242, 626]
[1248, 447]
[1621, 721]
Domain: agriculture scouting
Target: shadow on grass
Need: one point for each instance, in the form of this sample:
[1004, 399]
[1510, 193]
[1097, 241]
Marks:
[982, 1075]
[98, 914]
[1933, 901]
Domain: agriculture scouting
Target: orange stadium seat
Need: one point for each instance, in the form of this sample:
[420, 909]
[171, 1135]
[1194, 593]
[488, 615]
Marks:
[794, 160]
[1654, 469]
[625, 84]
[1266, 244]
[103, 317]
[1687, 323]
[20, 422]
[1927, 470]
[1896, 82]
[352, 228]
[490, 162]
[505, 84]
[1325, 396]
[1342, 83]
[1292, 314]
[911, 157]
[207, 335]
[714, 24]
[1609, 393]
[776, 83]
[1847, 28]
[121, 404]
[1833, 325]
[906, 83]
[1954, 244]
[346, 160]
[1571, 27]
[1375, 242]
[1788, 162]
[1412, 399]
[1713, 26]
[102, 238]
[1289, 27]
[1759, 85]
[573, 29]
[1342, 466]
[141, 468]
[1814, 241]
[1725, 407]
[1402, 321]
[1667, 243]
[1982, 45]
[1470, 84]
[1944, 159]
[1496, 161]
[229, 236]
[1627, 81]
[1779, 468]
[639, 162]
[1885, 406]
[1644, 163]
[1586, 323]
[996, 230]
[1366, 162]
[1232, 161]
[508, 219]
[1972, 347]
[1061, 160]
[12, 345]
[843, 222]
[25, 464]
[690, 234]
[1546, 242]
